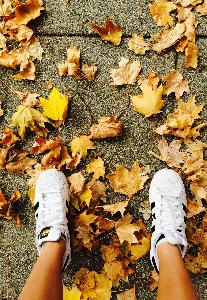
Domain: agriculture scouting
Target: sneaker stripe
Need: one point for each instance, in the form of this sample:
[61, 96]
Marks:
[153, 228]
[152, 205]
[184, 208]
[154, 264]
[36, 206]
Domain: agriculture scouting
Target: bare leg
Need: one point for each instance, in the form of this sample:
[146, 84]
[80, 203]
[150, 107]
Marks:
[45, 280]
[174, 279]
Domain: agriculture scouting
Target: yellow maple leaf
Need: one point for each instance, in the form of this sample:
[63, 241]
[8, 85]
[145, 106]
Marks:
[160, 10]
[111, 32]
[150, 102]
[127, 182]
[86, 195]
[74, 293]
[97, 167]
[125, 230]
[81, 144]
[29, 117]
[56, 107]
[140, 249]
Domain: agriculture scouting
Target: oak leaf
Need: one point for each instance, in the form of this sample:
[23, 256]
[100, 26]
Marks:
[175, 84]
[167, 37]
[111, 32]
[114, 208]
[127, 73]
[138, 44]
[89, 72]
[97, 167]
[25, 12]
[160, 10]
[127, 182]
[125, 230]
[7, 210]
[72, 64]
[29, 117]
[106, 127]
[56, 107]
[150, 102]
[80, 145]
[170, 153]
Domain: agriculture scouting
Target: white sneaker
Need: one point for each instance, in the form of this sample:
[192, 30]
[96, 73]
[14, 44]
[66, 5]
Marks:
[51, 210]
[168, 205]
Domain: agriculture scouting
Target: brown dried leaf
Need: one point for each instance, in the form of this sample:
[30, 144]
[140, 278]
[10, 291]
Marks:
[154, 278]
[106, 127]
[194, 207]
[26, 12]
[27, 71]
[127, 295]
[6, 8]
[167, 37]
[89, 72]
[2, 41]
[138, 44]
[114, 208]
[111, 32]
[72, 64]
[77, 182]
[72, 163]
[127, 182]
[125, 230]
[19, 162]
[127, 73]
[175, 84]
[191, 55]
[9, 138]
[160, 10]
[28, 99]
[202, 9]
[7, 210]
[98, 191]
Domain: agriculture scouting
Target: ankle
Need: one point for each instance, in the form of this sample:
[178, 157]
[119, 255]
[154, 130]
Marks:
[166, 250]
[55, 246]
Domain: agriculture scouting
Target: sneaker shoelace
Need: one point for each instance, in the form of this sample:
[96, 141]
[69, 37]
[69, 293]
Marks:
[51, 212]
[171, 222]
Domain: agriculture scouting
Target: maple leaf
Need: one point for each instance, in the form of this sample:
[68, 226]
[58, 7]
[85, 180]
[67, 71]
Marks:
[154, 278]
[167, 37]
[29, 117]
[6, 8]
[97, 167]
[175, 84]
[77, 182]
[145, 210]
[72, 163]
[106, 127]
[85, 195]
[7, 210]
[127, 73]
[20, 33]
[25, 12]
[181, 44]
[74, 293]
[125, 230]
[84, 220]
[41, 145]
[198, 191]
[27, 71]
[114, 208]
[98, 189]
[202, 9]
[57, 157]
[160, 10]
[140, 249]
[72, 64]
[138, 44]
[196, 264]
[89, 72]
[127, 182]
[186, 3]
[191, 53]
[170, 153]
[111, 32]
[81, 144]
[28, 99]
[35, 49]
[127, 295]
[150, 102]
[56, 107]
[19, 162]
[180, 122]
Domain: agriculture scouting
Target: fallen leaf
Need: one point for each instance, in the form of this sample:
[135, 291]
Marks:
[29, 117]
[19, 162]
[202, 9]
[9, 138]
[160, 10]
[191, 55]
[7, 210]
[127, 295]
[28, 99]
[145, 210]
[150, 102]
[72, 64]
[57, 157]
[97, 167]
[175, 84]
[106, 127]
[154, 278]
[25, 12]
[114, 208]
[80, 145]
[125, 230]
[6, 8]
[1, 110]
[56, 107]
[20, 33]
[111, 32]
[138, 44]
[27, 71]
[89, 72]
[74, 293]
[35, 49]
[186, 3]
[98, 189]
[85, 195]
[167, 37]
[127, 73]
[77, 182]
[127, 182]
[2, 41]
[196, 264]
[141, 249]
[194, 207]
[170, 153]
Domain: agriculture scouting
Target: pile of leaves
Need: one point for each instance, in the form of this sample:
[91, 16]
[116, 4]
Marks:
[91, 219]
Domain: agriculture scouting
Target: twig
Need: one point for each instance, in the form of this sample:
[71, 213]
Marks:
[8, 276]
[8, 87]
